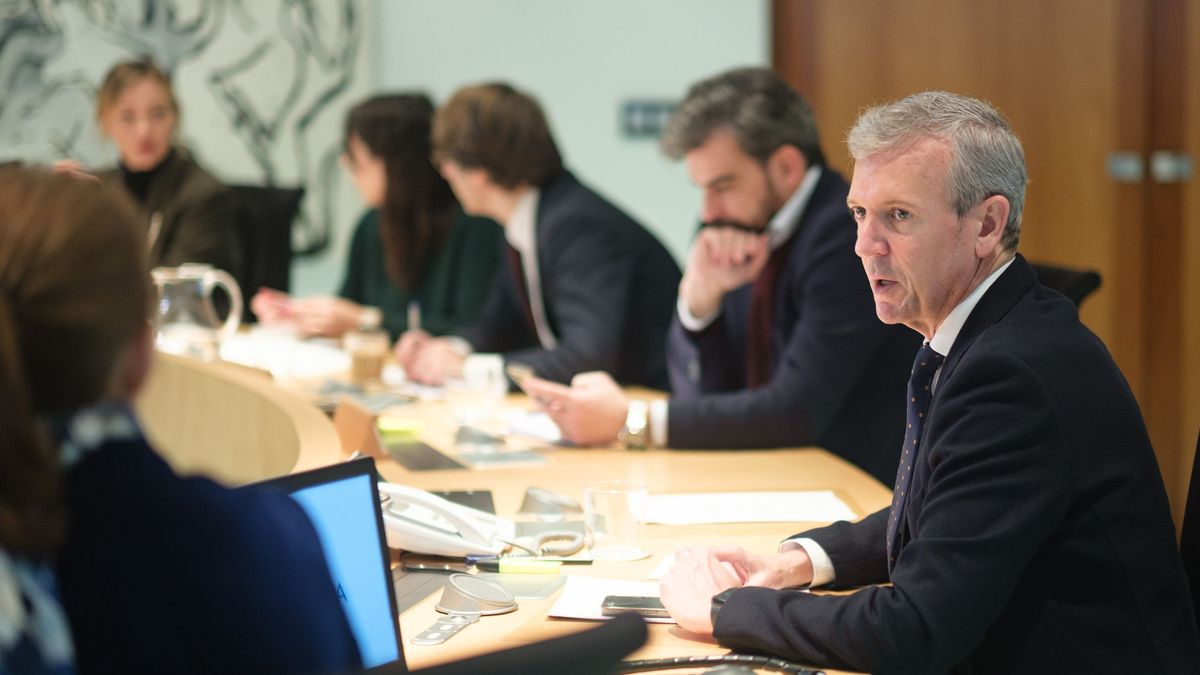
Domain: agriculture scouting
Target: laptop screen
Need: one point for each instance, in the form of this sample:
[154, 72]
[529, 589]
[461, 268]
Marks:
[343, 504]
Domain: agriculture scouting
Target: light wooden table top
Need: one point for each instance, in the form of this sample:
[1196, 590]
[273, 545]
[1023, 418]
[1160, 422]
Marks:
[228, 393]
[662, 471]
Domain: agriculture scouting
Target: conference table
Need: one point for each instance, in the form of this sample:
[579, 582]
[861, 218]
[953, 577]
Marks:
[566, 471]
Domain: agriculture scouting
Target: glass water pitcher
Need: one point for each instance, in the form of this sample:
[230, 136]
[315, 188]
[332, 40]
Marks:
[187, 320]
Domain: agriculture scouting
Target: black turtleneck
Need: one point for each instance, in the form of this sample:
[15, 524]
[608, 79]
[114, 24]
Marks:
[138, 182]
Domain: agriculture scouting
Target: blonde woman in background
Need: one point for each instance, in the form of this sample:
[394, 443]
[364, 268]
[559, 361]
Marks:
[186, 212]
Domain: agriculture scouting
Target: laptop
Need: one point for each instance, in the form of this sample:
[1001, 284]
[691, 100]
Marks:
[343, 504]
[342, 501]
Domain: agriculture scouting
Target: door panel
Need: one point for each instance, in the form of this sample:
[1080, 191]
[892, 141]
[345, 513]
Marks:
[1057, 70]
[1078, 79]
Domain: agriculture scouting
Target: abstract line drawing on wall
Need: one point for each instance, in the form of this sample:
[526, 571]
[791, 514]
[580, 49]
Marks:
[262, 84]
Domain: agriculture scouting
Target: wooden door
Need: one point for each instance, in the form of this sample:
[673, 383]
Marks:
[1078, 79]
[1187, 220]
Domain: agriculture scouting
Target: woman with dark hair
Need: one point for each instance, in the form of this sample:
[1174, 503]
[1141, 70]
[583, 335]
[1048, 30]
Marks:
[415, 245]
[157, 573]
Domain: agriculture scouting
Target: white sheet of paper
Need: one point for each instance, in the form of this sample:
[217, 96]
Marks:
[660, 570]
[532, 423]
[582, 596]
[283, 355]
[818, 506]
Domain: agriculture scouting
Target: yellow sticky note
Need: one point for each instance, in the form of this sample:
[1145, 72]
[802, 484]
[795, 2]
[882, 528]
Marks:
[399, 428]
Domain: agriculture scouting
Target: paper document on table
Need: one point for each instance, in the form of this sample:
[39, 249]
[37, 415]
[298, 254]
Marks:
[582, 596]
[284, 355]
[818, 506]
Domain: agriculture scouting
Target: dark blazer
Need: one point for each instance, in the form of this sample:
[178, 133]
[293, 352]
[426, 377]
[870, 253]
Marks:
[162, 574]
[838, 373]
[608, 286]
[1039, 535]
[194, 211]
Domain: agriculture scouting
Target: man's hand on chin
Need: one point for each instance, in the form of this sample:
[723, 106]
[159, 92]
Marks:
[720, 260]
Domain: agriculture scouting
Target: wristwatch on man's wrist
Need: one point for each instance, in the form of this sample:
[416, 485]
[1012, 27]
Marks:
[635, 432]
[718, 601]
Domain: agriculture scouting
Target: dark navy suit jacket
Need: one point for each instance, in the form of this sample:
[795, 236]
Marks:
[162, 574]
[1038, 535]
[837, 374]
[608, 287]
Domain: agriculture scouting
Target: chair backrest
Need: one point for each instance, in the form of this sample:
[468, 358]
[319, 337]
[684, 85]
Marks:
[1189, 540]
[264, 224]
[1075, 284]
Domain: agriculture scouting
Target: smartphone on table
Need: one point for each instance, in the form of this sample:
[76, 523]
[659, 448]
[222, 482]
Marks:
[518, 372]
[634, 604]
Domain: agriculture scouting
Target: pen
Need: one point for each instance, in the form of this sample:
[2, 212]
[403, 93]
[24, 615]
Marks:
[414, 315]
[566, 560]
[518, 566]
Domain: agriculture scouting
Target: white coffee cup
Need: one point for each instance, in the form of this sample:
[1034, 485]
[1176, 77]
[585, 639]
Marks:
[474, 396]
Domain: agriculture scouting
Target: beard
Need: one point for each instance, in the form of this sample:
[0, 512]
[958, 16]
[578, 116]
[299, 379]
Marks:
[757, 222]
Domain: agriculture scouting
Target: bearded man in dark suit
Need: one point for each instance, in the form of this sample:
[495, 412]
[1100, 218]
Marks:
[773, 340]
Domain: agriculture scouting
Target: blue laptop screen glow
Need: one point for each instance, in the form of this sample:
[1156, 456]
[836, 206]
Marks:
[344, 516]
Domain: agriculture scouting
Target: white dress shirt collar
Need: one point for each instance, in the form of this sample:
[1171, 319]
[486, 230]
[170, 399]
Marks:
[787, 218]
[945, 335]
[518, 229]
[521, 232]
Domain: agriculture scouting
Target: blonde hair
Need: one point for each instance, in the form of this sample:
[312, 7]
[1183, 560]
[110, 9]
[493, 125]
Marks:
[127, 73]
[73, 295]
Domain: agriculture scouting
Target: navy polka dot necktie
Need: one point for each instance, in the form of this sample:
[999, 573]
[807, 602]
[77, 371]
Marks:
[919, 394]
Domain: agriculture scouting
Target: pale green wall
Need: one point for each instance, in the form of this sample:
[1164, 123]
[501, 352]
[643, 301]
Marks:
[581, 59]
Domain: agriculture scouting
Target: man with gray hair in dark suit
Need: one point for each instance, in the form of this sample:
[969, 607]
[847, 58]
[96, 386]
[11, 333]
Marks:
[1029, 529]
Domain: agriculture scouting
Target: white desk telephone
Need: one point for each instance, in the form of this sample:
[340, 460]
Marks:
[419, 522]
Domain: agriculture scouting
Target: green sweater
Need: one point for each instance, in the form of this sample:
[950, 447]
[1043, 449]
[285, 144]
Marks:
[450, 292]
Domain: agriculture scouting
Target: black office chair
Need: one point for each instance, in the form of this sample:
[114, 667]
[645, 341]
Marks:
[1075, 284]
[1189, 539]
[264, 225]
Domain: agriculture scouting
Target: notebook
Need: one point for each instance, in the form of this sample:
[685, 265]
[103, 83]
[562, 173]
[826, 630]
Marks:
[343, 504]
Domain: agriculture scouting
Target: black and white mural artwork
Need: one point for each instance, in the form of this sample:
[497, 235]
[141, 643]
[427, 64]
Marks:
[263, 85]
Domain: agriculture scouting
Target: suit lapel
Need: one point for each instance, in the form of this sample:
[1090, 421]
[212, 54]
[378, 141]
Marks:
[785, 306]
[995, 303]
[999, 299]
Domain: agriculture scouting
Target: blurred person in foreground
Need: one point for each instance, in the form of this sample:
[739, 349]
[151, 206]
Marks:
[157, 573]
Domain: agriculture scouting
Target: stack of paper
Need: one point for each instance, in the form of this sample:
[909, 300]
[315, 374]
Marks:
[819, 506]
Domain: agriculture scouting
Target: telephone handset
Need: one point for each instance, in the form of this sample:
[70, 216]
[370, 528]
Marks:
[419, 522]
